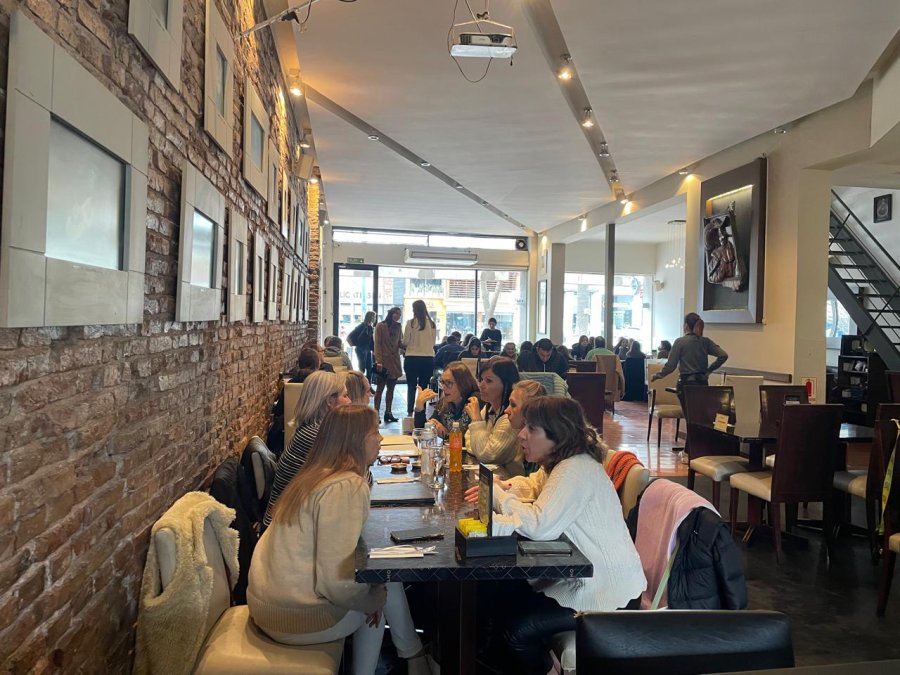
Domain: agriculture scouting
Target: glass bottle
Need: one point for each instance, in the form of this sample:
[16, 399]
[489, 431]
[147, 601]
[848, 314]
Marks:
[456, 443]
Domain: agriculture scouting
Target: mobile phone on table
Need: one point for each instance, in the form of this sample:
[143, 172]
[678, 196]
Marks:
[545, 548]
[417, 534]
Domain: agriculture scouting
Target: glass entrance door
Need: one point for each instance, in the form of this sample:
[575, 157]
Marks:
[355, 293]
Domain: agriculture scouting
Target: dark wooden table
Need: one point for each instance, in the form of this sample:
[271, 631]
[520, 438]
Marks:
[456, 579]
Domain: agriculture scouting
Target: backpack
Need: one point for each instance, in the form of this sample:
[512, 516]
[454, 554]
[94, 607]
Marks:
[354, 334]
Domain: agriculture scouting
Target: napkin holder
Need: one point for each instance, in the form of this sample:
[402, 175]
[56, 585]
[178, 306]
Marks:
[481, 547]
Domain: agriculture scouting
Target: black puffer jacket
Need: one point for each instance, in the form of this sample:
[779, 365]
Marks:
[707, 572]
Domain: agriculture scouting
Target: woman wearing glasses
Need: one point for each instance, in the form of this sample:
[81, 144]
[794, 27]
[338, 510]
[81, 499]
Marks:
[457, 385]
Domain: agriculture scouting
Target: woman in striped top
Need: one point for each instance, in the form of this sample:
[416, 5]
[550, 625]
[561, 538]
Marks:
[322, 391]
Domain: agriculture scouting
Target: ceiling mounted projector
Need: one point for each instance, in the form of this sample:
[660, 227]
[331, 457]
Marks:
[484, 45]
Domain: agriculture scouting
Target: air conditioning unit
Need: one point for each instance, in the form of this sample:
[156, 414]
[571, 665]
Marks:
[437, 256]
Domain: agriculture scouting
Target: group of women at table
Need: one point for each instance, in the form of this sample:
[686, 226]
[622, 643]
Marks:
[301, 582]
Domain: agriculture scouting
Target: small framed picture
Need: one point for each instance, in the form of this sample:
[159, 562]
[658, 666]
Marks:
[882, 208]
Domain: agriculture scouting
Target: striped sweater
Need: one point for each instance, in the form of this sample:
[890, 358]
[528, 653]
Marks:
[290, 463]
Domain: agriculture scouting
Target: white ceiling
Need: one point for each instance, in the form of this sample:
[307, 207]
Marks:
[669, 84]
[642, 229]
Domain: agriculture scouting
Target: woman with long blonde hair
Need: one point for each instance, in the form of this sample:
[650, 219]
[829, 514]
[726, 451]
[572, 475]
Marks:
[322, 391]
[358, 388]
[301, 584]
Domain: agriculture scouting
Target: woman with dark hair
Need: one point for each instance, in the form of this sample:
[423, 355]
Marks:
[388, 338]
[525, 350]
[634, 351]
[473, 351]
[572, 495]
[457, 385]
[491, 337]
[419, 337]
[362, 339]
[491, 438]
[690, 354]
[664, 349]
[466, 339]
[580, 350]
[621, 348]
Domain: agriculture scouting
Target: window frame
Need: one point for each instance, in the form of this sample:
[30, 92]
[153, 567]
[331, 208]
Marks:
[237, 232]
[253, 107]
[259, 278]
[275, 193]
[218, 37]
[287, 289]
[272, 299]
[199, 303]
[161, 44]
[45, 82]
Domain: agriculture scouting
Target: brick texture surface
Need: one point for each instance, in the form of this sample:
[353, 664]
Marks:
[103, 427]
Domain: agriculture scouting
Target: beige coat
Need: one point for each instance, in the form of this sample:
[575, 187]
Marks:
[387, 348]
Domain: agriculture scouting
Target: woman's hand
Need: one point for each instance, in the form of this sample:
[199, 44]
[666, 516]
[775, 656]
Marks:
[422, 397]
[439, 428]
[473, 409]
[373, 619]
[471, 495]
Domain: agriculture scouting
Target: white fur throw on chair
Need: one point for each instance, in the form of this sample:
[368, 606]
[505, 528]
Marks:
[172, 621]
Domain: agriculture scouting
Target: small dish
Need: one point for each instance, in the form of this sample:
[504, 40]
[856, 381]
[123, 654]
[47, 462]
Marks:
[398, 468]
[416, 466]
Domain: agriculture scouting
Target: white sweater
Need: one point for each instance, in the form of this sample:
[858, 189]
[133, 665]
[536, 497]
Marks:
[577, 499]
[493, 441]
[419, 342]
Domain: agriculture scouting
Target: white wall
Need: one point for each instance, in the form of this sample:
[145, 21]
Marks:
[668, 303]
[589, 257]
[861, 202]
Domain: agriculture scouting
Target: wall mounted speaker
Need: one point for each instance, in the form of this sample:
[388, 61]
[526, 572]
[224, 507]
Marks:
[303, 167]
[521, 244]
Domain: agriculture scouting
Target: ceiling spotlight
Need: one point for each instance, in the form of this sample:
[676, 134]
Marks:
[604, 150]
[314, 180]
[584, 223]
[588, 120]
[327, 222]
[305, 144]
[565, 70]
[624, 201]
[780, 130]
[684, 172]
[423, 163]
[294, 84]
[613, 176]
[458, 186]
[374, 137]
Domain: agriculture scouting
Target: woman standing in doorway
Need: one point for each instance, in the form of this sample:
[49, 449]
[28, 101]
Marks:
[362, 338]
[419, 337]
[388, 338]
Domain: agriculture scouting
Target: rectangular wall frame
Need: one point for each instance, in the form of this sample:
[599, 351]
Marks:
[194, 302]
[273, 204]
[47, 86]
[287, 289]
[295, 307]
[286, 203]
[238, 264]
[159, 37]
[259, 278]
[255, 168]
[272, 304]
[218, 117]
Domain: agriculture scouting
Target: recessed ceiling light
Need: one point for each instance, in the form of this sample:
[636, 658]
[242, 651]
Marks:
[314, 180]
[684, 172]
[305, 144]
[425, 164]
[780, 130]
[458, 186]
[327, 222]
[624, 201]
[588, 120]
[604, 150]
[374, 137]
[565, 70]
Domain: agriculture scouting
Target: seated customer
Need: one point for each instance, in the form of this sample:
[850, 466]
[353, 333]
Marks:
[491, 438]
[321, 392]
[335, 354]
[358, 388]
[307, 364]
[449, 352]
[580, 350]
[457, 385]
[525, 350]
[545, 359]
[301, 587]
[572, 496]
[473, 351]
[634, 351]
[509, 351]
[662, 352]
[599, 349]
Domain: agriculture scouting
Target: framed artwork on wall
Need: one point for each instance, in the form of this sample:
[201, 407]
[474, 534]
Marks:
[732, 245]
[238, 263]
[259, 278]
[883, 208]
[542, 307]
[218, 81]
[158, 27]
[256, 140]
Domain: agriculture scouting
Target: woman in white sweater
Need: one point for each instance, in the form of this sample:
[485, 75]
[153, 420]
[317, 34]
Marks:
[301, 585]
[574, 497]
[419, 338]
[491, 438]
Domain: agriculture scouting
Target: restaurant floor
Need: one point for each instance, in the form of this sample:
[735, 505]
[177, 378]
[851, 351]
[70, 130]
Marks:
[832, 608]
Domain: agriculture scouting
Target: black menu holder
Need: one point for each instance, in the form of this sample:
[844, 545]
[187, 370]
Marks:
[480, 547]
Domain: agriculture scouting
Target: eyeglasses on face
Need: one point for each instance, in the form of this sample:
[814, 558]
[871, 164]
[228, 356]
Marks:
[447, 383]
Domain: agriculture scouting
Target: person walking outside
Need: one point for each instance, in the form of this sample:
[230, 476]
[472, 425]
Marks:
[388, 339]
[419, 337]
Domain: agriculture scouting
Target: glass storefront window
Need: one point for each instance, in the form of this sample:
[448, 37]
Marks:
[584, 304]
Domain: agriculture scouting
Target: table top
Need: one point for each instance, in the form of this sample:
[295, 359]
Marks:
[753, 431]
[443, 565]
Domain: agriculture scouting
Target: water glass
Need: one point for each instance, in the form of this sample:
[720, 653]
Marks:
[438, 462]
[423, 438]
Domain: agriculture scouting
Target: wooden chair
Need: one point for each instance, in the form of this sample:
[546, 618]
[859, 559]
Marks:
[291, 397]
[806, 450]
[746, 396]
[583, 366]
[662, 404]
[891, 541]
[472, 364]
[772, 398]
[615, 378]
[635, 386]
[589, 389]
[710, 453]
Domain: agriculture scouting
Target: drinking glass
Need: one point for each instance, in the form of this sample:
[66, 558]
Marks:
[438, 461]
[423, 439]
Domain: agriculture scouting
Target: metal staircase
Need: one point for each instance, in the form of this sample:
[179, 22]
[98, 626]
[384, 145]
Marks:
[861, 274]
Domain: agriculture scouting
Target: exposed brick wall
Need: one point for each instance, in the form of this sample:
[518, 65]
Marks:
[102, 428]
